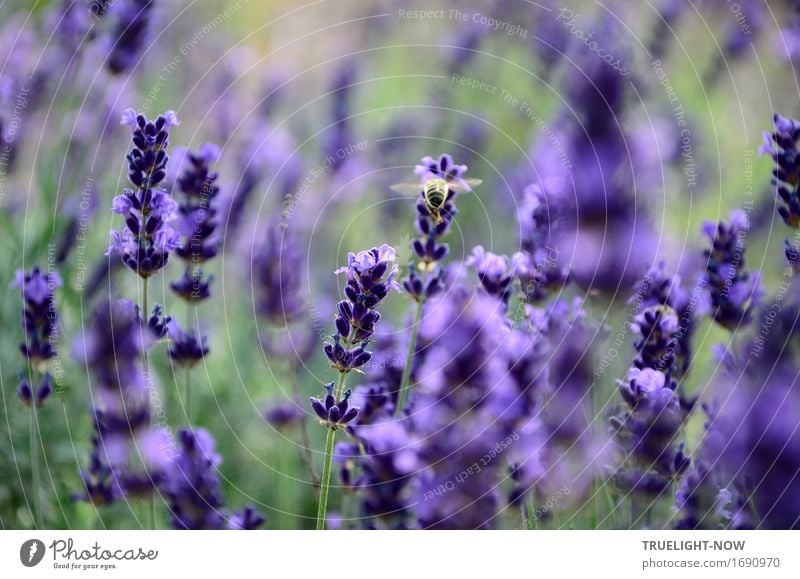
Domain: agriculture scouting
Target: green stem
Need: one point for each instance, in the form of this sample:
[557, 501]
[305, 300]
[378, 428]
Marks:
[328, 463]
[37, 500]
[412, 347]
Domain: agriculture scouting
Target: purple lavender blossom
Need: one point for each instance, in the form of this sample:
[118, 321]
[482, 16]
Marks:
[370, 277]
[700, 502]
[538, 266]
[130, 451]
[186, 347]
[428, 247]
[132, 23]
[656, 327]
[148, 238]
[495, 272]
[193, 490]
[647, 433]
[752, 442]
[39, 315]
[387, 470]
[465, 410]
[35, 396]
[246, 519]
[277, 264]
[333, 413]
[197, 222]
[732, 291]
[781, 145]
[657, 288]
[283, 416]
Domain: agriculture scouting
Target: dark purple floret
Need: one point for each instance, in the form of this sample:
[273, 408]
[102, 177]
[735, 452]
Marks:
[700, 501]
[186, 347]
[98, 486]
[193, 489]
[425, 278]
[334, 413]
[192, 485]
[158, 322]
[129, 34]
[732, 291]
[387, 473]
[38, 395]
[197, 221]
[443, 167]
[370, 277]
[781, 145]
[284, 415]
[655, 344]
[537, 266]
[657, 288]
[39, 315]
[648, 433]
[132, 450]
[148, 238]
[246, 519]
[277, 266]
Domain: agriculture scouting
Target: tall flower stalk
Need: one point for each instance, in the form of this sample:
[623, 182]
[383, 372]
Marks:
[199, 242]
[370, 277]
[148, 238]
[40, 323]
[129, 454]
[425, 276]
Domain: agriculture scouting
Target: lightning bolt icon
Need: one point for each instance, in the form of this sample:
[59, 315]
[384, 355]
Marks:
[32, 552]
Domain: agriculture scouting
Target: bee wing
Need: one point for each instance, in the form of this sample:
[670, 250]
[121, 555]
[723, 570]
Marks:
[466, 184]
[407, 189]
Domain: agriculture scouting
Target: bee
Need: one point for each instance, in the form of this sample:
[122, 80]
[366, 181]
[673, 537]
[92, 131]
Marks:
[436, 192]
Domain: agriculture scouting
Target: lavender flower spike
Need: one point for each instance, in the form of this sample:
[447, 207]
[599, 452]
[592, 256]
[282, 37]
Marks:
[39, 316]
[370, 276]
[148, 238]
[732, 291]
[781, 145]
[333, 413]
[194, 491]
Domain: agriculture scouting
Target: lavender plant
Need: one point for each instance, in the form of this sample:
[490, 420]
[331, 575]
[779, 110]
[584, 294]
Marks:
[129, 454]
[197, 223]
[425, 276]
[40, 325]
[732, 292]
[193, 490]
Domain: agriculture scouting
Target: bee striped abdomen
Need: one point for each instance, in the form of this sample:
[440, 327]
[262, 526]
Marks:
[435, 193]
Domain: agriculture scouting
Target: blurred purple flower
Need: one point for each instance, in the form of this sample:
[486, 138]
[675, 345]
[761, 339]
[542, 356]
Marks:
[148, 238]
[39, 315]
